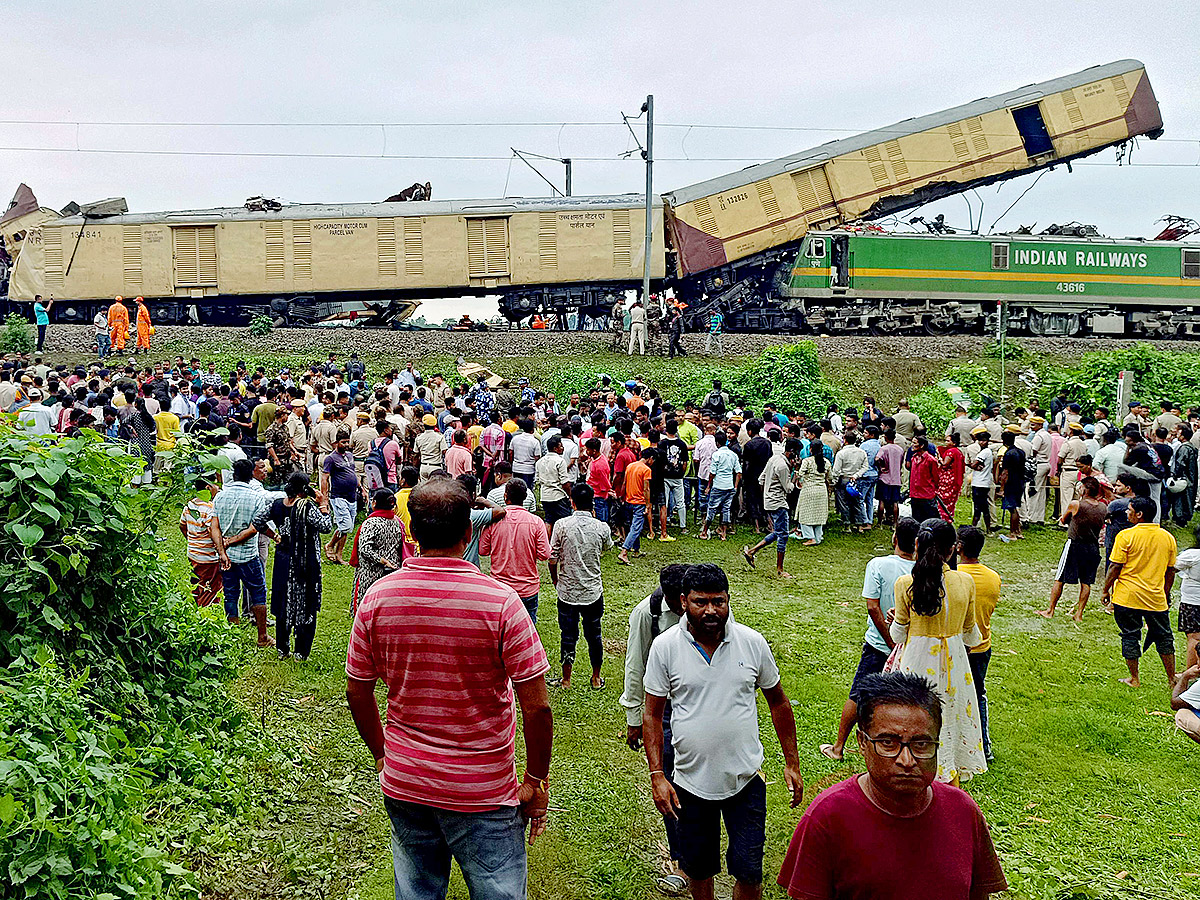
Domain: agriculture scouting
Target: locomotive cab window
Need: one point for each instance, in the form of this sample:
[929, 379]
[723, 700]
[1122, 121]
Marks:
[1191, 263]
[1000, 256]
[816, 248]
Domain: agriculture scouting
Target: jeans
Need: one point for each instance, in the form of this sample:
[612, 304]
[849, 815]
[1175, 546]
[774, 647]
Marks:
[923, 509]
[780, 522]
[637, 524]
[569, 615]
[489, 847]
[981, 501]
[531, 604]
[720, 502]
[702, 492]
[813, 532]
[676, 499]
[41, 338]
[103, 344]
[600, 509]
[248, 574]
[979, 666]
[867, 487]
[752, 494]
[849, 507]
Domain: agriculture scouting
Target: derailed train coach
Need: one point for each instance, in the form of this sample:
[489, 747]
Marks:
[737, 230]
[845, 282]
[302, 263]
[722, 243]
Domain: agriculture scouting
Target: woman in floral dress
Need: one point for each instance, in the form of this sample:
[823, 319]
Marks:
[379, 546]
[934, 626]
[815, 475]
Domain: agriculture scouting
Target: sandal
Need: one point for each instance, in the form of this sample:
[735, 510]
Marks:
[672, 885]
[597, 687]
[748, 556]
[827, 752]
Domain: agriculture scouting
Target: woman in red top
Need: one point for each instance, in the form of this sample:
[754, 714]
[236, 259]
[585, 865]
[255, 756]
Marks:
[923, 480]
[952, 465]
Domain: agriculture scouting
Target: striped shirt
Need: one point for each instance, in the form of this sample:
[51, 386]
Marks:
[196, 518]
[448, 641]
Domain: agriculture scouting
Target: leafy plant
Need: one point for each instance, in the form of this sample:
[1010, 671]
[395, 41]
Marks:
[934, 404]
[17, 335]
[260, 326]
[113, 691]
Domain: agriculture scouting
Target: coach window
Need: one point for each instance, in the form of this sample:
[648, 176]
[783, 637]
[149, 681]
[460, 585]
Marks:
[1000, 256]
[816, 248]
[1191, 263]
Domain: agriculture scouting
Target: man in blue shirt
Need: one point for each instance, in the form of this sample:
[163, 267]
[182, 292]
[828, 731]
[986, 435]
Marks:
[724, 476]
[41, 315]
[879, 582]
[715, 324]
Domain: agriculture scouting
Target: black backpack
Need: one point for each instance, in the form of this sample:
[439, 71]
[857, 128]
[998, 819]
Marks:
[656, 607]
[715, 402]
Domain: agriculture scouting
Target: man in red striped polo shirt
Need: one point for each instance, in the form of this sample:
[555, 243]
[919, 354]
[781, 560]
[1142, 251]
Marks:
[451, 644]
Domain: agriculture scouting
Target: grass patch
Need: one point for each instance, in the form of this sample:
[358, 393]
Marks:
[1086, 784]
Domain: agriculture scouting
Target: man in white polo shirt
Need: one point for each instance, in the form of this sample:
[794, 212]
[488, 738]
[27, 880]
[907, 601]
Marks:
[711, 669]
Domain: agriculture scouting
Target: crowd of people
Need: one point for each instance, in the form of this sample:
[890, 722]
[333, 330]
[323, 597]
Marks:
[419, 478]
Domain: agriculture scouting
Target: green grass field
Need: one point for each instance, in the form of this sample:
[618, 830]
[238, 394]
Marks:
[1089, 796]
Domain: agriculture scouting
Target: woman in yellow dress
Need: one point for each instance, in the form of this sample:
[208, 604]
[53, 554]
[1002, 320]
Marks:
[934, 626]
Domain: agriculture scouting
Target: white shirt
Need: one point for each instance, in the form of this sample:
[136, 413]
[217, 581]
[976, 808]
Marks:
[1188, 566]
[526, 449]
[1109, 460]
[552, 475]
[233, 453]
[496, 498]
[570, 452]
[40, 419]
[637, 649]
[983, 477]
[714, 710]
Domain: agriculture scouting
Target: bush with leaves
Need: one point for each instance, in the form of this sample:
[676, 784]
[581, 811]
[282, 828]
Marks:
[260, 326]
[84, 590]
[17, 335]
[933, 404]
[1157, 375]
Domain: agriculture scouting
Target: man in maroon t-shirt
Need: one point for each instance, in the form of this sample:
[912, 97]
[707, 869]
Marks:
[895, 832]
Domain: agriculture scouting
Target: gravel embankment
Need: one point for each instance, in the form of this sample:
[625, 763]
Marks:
[77, 339]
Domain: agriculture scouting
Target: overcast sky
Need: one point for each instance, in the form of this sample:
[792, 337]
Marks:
[834, 67]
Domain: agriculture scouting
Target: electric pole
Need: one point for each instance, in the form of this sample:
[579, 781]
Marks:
[648, 155]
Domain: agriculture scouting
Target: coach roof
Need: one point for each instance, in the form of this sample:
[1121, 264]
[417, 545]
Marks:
[1012, 99]
[499, 207]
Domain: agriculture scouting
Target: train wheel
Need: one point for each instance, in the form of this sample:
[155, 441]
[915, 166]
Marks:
[938, 327]
[885, 327]
[1037, 323]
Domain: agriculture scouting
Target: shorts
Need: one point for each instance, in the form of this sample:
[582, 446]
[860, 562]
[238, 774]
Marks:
[1011, 501]
[871, 662]
[555, 510]
[887, 493]
[1078, 562]
[1189, 618]
[658, 496]
[1158, 631]
[343, 512]
[745, 815]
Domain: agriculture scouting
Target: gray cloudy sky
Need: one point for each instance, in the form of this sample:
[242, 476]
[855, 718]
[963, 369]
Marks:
[843, 66]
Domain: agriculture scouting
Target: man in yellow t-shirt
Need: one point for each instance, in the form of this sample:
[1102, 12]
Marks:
[1140, 576]
[987, 595]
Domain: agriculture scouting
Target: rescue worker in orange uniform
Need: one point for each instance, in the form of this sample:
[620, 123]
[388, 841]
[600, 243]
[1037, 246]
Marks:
[144, 328]
[118, 324]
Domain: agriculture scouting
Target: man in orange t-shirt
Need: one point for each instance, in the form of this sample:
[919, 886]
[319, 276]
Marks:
[637, 491]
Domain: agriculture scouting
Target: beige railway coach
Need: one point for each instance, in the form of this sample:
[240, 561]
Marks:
[773, 204]
[343, 251]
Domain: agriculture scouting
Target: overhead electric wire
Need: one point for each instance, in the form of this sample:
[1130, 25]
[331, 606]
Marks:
[250, 154]
[819, 129]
